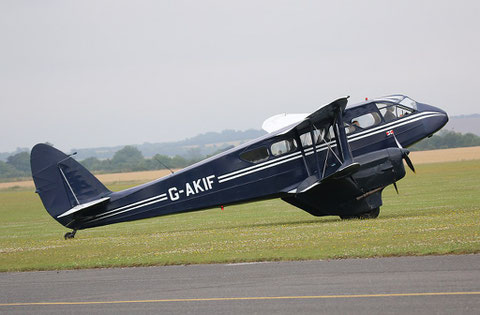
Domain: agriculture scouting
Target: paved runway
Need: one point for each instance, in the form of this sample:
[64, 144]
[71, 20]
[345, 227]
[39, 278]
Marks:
[427, 285]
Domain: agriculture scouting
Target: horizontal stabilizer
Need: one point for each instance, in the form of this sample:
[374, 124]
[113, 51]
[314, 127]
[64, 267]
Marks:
[84, 206]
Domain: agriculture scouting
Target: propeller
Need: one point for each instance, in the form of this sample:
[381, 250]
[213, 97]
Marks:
[405, 156]
[405, 153]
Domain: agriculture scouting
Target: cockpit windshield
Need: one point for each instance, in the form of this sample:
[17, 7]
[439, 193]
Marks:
[400, 99]
[409, 103]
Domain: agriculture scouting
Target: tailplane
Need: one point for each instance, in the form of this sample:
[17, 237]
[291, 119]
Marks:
[64, 185]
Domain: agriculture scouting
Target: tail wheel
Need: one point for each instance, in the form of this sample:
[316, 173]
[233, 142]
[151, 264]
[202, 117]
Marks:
[368, 215]
[70, 235]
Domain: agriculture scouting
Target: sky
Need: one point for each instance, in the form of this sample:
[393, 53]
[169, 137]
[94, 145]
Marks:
[82, 74]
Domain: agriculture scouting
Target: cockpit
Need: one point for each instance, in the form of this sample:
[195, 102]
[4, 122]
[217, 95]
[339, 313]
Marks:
[399, 99]
[378, 111]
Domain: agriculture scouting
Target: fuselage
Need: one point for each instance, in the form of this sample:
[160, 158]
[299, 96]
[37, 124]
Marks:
[273, 165]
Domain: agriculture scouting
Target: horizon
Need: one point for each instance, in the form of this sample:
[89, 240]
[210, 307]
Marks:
[70, 150]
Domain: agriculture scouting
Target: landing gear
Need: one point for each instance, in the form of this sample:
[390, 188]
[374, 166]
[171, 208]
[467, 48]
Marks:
[371, 215]
[368, 215]
[70, 235]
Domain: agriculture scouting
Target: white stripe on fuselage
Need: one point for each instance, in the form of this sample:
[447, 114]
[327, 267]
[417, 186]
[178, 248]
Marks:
[258, 165]
[105, 215]
[128, 207]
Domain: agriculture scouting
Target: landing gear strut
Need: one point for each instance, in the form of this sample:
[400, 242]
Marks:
[69, 235]
[368, 215]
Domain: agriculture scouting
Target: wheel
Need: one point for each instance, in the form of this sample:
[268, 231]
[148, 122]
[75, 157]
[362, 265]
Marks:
[373, 214]
[69, 235]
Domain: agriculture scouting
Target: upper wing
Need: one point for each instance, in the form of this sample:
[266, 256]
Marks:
[325, 114]
[280, 121]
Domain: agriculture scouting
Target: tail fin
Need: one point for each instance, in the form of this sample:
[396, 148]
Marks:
[62, 182]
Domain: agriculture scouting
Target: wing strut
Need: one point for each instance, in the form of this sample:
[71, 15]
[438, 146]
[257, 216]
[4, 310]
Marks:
[342, 138]
[326, 157]
[348, 165]
[317, 161]
[297, 136]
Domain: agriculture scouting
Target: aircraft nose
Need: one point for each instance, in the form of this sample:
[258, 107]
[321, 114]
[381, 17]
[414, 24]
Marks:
[444, 117]
[436, 120]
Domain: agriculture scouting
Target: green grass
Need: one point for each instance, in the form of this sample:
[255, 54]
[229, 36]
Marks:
[437, 212]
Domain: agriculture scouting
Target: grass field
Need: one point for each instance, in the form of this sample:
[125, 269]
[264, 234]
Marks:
[445, 155]
[437, 212]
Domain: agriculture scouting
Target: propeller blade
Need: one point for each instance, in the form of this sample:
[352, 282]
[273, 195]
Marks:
[396, 141]
[396, 188]
[405, 154]
[409, 162]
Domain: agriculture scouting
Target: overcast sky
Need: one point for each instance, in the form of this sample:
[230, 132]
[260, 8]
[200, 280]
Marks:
[99, 73]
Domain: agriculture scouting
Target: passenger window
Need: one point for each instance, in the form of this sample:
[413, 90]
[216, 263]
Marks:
[319, 135]
[388, 112]
[306, 138]
[391, 112]
[283, 147]
[256, 155]
[331, 134]
[349, 128]
[402, 111]
[366, 121]
[352, 127]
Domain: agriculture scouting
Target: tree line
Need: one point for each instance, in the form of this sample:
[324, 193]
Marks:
[129, 158]
[446, 139]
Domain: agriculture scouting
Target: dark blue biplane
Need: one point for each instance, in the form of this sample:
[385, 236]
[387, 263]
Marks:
[335, 161]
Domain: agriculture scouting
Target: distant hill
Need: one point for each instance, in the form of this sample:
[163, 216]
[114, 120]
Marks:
[464, 124]
[195, 147]
[211, 142]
